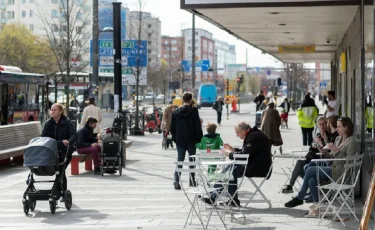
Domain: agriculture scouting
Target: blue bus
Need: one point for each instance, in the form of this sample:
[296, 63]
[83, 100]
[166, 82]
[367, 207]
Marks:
[206, 95]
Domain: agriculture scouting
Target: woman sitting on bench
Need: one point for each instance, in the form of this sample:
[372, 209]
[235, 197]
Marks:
[87, 144]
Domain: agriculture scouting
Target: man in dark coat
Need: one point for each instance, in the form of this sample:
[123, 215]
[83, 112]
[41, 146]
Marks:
[256, 145]
[259, 100]
[186, 130]
[218, 106]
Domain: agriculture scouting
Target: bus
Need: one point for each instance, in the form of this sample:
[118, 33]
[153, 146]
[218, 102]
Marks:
[21, 95]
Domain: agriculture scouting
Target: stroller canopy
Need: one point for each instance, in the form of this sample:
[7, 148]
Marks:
[41, 151]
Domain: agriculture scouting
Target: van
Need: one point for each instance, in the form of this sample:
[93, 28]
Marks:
[206, 95]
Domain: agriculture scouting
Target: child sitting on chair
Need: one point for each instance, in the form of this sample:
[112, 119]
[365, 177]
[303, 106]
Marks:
[210, 141]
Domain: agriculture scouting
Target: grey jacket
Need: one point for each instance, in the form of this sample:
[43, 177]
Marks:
[349, 147]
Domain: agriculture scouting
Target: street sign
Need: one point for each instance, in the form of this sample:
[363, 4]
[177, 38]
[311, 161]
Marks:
[129, 53]
[323, 84]
[203, 64]
[296, 49]
[268, 72]
[128, 77]
[174, 85]
[235, 68]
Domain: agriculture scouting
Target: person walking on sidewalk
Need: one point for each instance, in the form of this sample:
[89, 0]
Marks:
[259, 100]
[307, 115]
[186, 130]
[271, 122]
[218, 106]
[92, 111]
[332, 105]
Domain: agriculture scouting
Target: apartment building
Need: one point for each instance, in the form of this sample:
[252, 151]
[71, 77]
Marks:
[45, 18]
[173, 51]
[150, 28]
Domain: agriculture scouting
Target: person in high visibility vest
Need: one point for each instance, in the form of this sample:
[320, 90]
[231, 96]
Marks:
[307, 115]
[369, 113]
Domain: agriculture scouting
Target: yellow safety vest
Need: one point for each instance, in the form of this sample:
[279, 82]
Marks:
[369, 117]
[307, 116]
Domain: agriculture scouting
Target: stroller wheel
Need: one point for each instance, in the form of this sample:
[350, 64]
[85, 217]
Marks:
[26, 207]
[120, 170]
[102, 170]
[68, 199]
[159, 131]
[32, 205]
[52, 206]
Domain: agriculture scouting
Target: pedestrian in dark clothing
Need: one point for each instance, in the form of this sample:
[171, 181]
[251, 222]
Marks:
[256, 145]
[308, 101]
[186, 130]
[218, 106]
[259, 100]
[60, 128]
[285, 105]
[87, 144]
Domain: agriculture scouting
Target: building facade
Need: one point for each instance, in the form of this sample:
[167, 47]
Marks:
[204, 50]
[224, 54]
[150, 28]
[173, 51]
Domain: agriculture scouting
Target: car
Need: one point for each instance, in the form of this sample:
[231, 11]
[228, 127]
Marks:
[149, 96]
[160, 96]
[140, 98]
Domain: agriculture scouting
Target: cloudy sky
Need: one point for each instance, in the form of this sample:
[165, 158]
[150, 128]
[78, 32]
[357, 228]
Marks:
[173, 20]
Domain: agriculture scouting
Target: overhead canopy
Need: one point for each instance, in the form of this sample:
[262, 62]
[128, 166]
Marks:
[14, 77]
[291, 30]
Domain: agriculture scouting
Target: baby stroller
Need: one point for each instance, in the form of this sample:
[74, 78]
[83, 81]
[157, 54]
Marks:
[41, 157]
[167, 140]
[258, 118]
[111, 152]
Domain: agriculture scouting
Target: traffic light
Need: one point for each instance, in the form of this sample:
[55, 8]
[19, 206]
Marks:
[226, 84]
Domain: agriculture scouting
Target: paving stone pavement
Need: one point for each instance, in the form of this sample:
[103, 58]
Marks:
[144, 197]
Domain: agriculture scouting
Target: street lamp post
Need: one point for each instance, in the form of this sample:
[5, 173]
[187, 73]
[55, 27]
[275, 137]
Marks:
[117, 55]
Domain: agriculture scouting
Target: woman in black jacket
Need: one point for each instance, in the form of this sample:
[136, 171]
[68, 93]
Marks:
[87, 144]
[60, 128]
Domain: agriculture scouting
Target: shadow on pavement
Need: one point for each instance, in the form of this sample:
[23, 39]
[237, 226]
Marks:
[150, 174]
[107, 176]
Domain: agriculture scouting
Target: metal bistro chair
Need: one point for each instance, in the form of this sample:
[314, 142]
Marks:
[340, 194]
[258, 188]
[198, 208]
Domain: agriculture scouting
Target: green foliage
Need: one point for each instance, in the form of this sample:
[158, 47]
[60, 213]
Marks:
[19, 47]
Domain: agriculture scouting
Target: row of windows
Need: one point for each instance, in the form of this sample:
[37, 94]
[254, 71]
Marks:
[11, 2]
[172, 48]
[54, 14]
[173, 42]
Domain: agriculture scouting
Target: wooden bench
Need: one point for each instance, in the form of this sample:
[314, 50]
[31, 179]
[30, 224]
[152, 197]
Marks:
[15, 138]
[78, 158]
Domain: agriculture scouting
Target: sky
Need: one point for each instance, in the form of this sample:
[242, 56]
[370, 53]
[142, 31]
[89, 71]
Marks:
[173, 19]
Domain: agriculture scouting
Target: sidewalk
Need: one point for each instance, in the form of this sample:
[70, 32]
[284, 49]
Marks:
[144, 197]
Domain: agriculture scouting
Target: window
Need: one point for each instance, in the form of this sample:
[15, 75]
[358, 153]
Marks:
[55, 1]
[23, 13]
[149, 60]
[149, 42]
[149, 34]
[79, 15]
[31, 13]
[55, 28]
[63, 28]
[2, 15]
[31, 1]
[174, 42]
[196, 33]
[166, 55]
[149, 51]
[31, 27]
[166, 42]
[78, 29]
[174, 48]
[165, 48]
[10, 2]
[54, 13]
[10, 14]
[149, 25]
[23, 1]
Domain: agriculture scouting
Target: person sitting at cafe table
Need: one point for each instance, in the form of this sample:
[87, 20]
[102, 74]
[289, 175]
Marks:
[256, 145]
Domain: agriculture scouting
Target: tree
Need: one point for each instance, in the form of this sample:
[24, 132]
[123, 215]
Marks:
[157, 78]
[34, 56]
[68, 37]
[253, 83]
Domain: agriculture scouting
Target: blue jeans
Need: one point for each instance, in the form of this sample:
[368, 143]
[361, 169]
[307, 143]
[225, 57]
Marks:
[181, 152]
[310, 181]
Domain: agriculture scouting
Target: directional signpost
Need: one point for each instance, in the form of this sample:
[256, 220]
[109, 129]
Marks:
[203, 64]
[129, 54]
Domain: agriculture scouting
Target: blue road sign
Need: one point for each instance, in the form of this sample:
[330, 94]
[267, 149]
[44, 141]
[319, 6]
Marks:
[204, 64]
[268, 72]
[129, 53]
[323, 84]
